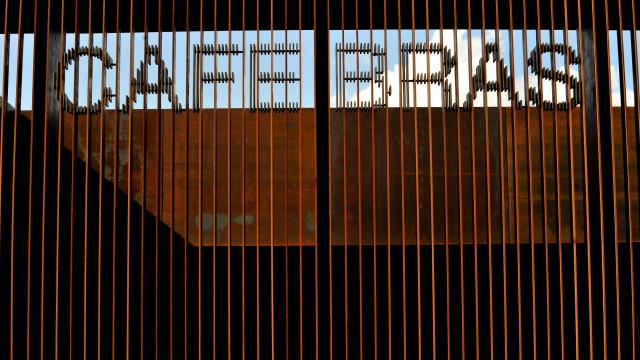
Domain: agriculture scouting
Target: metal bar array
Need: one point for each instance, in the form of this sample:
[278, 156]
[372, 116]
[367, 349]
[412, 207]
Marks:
[446, 184]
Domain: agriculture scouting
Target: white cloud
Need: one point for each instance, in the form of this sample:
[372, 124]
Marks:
[616, 99]
[422, 90]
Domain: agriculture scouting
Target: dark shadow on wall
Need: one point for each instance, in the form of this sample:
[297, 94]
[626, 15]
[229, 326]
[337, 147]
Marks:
[286, 267]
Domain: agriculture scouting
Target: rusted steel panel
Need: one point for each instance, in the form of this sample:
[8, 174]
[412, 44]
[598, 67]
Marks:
[466, 175]
[358, 228]
[290, 151]
[308, 186]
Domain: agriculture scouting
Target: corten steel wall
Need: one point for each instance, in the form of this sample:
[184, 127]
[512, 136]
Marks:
[341, 230]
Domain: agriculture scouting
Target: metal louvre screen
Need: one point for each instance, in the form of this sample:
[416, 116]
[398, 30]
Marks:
[337, 179]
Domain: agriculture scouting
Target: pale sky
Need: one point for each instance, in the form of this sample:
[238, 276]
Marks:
[307, 59]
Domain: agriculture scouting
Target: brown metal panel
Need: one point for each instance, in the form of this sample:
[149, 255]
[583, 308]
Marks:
[186, 190]
[257, 167]
[30, 198]
[374, 202]
[417, 183]
[475, 186]
[214, 235]
[636, 118]
[488, 181]
[129, 177]
[173, 180]
[200, 186]
[445, 182]
[614, 197]
[540, 101]
[72, 201]
[300, 300]
[558, 223]
[143, 156]
[18, 93]
[571, 182]
[514, 100]
[58, 198]
[585, 178]
[229, 42]
[49, 52]
[271, 216]
[286, 182]
[274, 183]
[345, 210]
[459, 185]
[88, 150]
[116, 132]
[330, 190]
[243, 184]
[387, 143]
[402, 194]
[158, 174]
[431, 202]
[628, 234]
[503, 207]
[315, 173]
[5, 92]
[101, 186]
[360, 348]
[534, 316]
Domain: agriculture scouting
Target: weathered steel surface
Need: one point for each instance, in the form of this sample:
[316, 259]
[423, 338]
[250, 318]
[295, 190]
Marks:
[308, 181]
[283, 218]
[337, 196]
